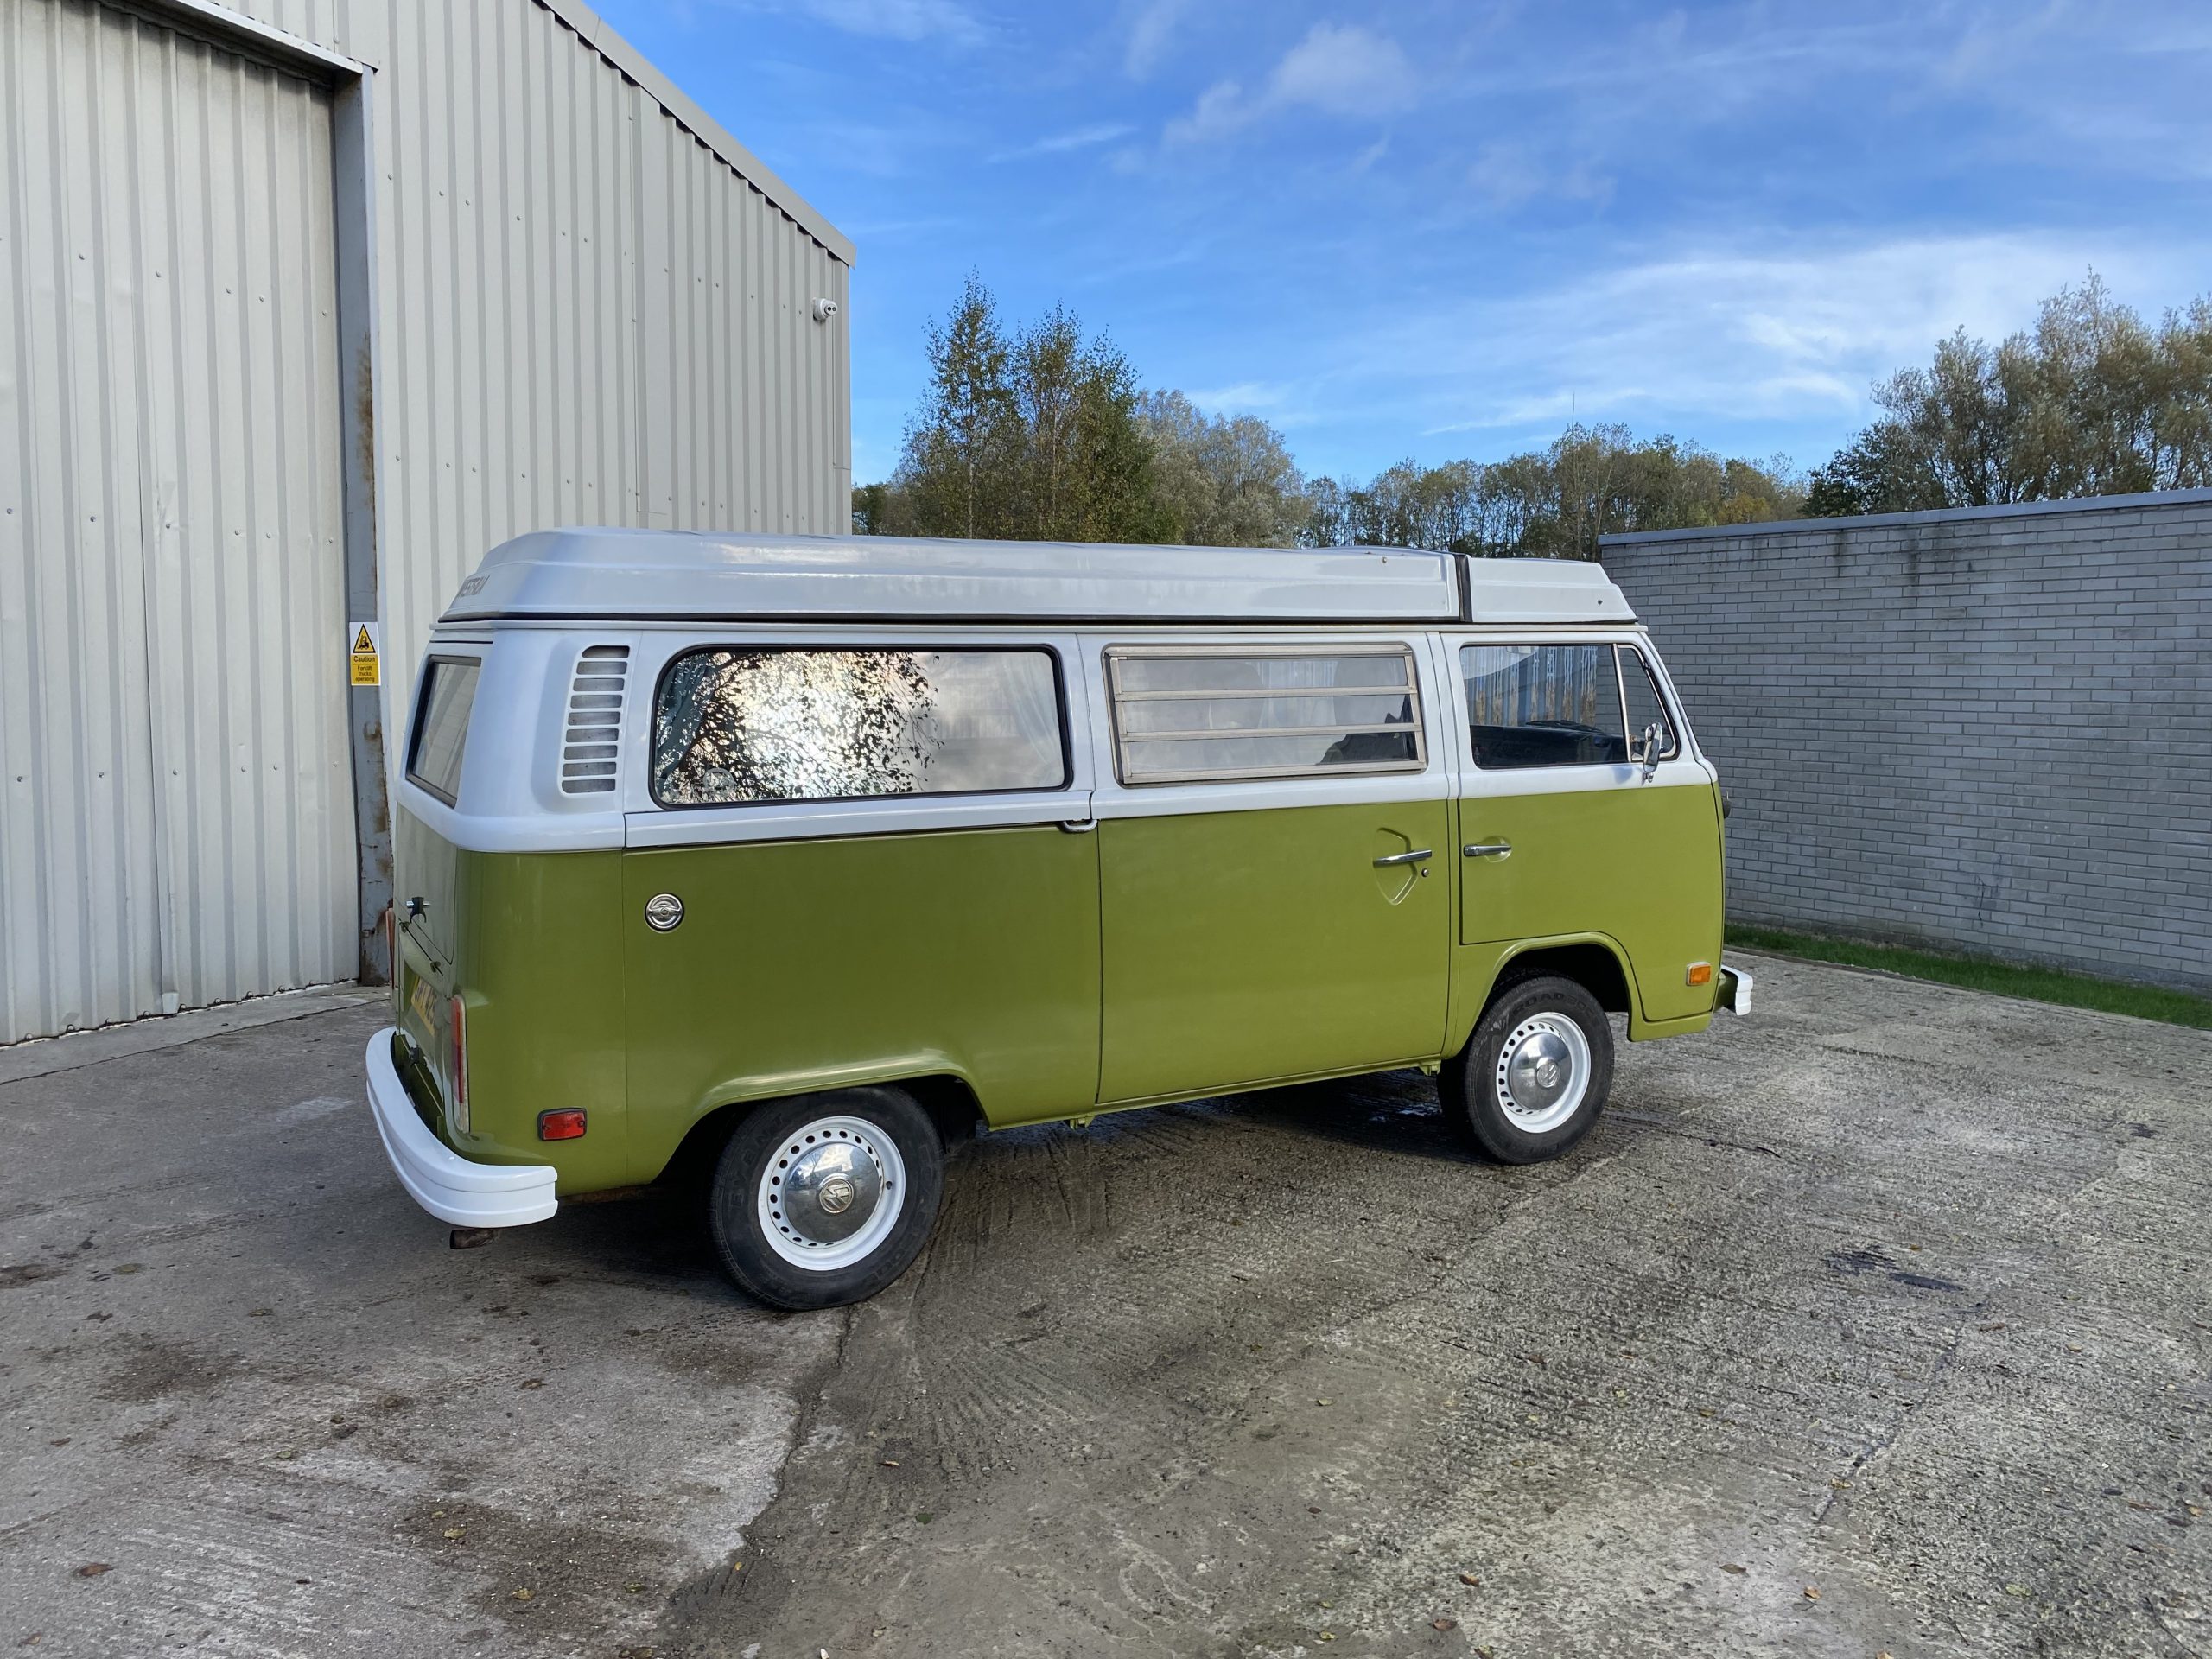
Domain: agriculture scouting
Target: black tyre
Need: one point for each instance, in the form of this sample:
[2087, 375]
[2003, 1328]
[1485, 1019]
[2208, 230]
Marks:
[1534, 1077]
[825, 1200]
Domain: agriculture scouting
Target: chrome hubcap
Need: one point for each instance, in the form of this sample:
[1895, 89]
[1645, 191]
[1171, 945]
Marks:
[1543, 1072]
[829, 1192]
[832, 1194]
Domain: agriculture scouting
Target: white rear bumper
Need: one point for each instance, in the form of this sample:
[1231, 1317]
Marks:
[1735, 988]
[451, 1187]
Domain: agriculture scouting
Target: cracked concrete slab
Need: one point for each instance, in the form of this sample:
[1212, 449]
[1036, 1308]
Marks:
[1876, 1323]
[244, 1378]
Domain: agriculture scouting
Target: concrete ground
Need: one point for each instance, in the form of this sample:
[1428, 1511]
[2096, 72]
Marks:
[1877, 1323]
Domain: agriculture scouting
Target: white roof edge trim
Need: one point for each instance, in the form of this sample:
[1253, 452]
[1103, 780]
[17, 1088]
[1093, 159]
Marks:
[596, 33]
[1531, 591]
[618, 576]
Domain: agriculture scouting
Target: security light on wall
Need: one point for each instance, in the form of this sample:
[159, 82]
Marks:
[824, 310]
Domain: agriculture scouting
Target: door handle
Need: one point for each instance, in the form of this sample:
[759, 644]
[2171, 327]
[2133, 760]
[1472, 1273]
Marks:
[1418, 856]
[1487, 849]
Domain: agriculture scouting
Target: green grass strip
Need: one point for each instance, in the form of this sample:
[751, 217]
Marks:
[1979, 973]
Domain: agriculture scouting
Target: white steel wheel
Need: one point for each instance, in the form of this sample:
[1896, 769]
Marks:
[1542, 1074]
[821, 1200]
[1534, 1074]
[832, 1194]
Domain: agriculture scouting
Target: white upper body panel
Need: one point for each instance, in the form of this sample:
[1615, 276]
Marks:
[539, 608]
[512, 796]
[620, 576]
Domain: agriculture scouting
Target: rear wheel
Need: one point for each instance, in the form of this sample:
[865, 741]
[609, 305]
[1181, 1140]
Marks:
[825, 1200]
[1534, 1077]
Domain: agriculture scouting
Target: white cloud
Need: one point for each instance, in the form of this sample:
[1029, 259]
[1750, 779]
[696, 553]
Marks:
[1245, 398]
[1059, 144]
[896, 150]
[1342, 70]
[1373, 153]
[1345, 70]
[1150, 27]
[1762, 334]
[1713, 337]
[1221, 110]
[1508, 176]
[903, 229]
[901, 19]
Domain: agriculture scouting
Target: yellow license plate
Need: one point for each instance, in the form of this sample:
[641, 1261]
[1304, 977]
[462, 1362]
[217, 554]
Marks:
[419, 1001]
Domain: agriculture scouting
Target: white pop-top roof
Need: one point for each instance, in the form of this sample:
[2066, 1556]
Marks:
[660, 575]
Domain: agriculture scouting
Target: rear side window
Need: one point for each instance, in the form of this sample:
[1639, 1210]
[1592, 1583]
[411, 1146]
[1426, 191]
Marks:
[442, 725]
[1543, 705]
[1193, 713]
[737, 725]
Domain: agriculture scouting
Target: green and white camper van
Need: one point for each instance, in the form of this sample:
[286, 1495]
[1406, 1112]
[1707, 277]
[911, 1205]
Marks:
[793, 858]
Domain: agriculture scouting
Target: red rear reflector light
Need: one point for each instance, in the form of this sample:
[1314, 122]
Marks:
[560, 1126]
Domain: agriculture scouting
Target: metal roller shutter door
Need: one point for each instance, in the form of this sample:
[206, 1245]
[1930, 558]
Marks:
[175, 787]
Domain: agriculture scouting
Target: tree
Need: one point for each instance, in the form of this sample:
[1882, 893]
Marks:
[1879, 471]
[1223, 481]
[1087, 472]
[1590, 481]
[955, 471]
[2091, 401]
[1043, 433]
[878, 509]
[1031, 435]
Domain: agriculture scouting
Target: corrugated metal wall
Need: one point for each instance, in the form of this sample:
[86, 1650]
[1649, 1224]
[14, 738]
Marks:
[584, 314]
[175, 790]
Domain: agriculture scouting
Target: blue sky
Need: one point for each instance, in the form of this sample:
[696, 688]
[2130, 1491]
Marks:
[1435, 229]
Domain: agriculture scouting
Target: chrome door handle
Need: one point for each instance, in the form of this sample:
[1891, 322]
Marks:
[1487, 849]
[1418, 856]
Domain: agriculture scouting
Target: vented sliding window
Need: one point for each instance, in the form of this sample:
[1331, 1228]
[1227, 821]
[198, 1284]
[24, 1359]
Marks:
[1189, 713]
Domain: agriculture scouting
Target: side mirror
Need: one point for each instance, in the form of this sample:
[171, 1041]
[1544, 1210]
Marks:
[1649, 754]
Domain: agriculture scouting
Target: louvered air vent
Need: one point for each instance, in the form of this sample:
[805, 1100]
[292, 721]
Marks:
[593, 745]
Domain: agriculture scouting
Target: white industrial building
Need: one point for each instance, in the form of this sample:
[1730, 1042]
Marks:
[303, 305]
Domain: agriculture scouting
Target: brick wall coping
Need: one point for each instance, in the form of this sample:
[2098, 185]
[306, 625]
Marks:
[1940, 516]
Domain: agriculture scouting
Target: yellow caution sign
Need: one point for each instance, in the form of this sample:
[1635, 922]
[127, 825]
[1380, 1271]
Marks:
[361, 656]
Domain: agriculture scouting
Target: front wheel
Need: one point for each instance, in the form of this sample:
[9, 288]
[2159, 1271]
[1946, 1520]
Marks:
[825, 1200]
[1534, 1077]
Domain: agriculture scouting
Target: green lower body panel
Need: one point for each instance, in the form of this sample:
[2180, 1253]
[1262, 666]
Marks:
[808, 964]
[1637, 865]
[1240, 947]
[1047, 972]
[1640, 1031]
[529, 943]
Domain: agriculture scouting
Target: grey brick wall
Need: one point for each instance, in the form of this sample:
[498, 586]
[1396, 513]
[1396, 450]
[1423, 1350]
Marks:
[1988, 730]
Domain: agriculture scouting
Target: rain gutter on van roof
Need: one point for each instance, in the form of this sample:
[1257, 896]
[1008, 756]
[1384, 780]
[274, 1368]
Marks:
[986, 619]
[648, 577]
